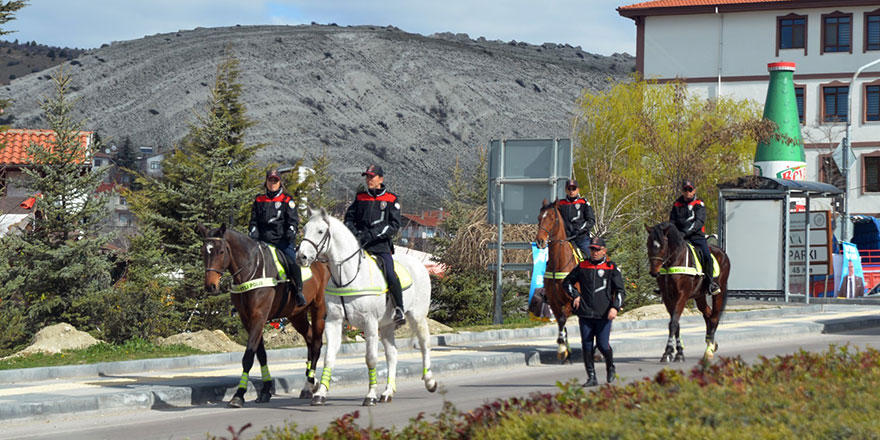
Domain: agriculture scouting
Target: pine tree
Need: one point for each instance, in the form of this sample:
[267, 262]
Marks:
[209, 178]
[319, 193]
[56, 271]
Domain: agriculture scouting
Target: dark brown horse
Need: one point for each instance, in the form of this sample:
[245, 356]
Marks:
[672, 264]
[560, 261]
[250, 261]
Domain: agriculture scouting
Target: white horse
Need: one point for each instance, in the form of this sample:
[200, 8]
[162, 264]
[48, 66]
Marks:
[354, 277]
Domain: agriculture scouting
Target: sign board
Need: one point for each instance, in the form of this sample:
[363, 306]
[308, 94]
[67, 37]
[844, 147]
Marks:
[753, 238]
[532, 170]
[820, 243]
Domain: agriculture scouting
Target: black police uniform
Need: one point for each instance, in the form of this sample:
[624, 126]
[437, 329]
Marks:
[689, 216]
[579, 218]
[374, 218]
[601, 289]
[274, 220]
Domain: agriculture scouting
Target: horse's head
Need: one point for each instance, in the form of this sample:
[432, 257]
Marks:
[216, 255]
[550, 225]
[316, 237]
[658, 246]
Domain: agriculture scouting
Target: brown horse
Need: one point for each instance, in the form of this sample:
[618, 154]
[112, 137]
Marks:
[560, 261]
[249, 261]
[671, 263]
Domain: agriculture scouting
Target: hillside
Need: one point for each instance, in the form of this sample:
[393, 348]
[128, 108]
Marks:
[18, 60]
[368, 94]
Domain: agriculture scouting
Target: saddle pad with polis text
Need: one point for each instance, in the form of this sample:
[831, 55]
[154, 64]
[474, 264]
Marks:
[378, 285]
[271, 281]
[696, 269]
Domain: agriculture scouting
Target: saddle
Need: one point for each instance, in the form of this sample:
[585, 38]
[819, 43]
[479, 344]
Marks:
[277, 257]
[378, 284]
[578, 258]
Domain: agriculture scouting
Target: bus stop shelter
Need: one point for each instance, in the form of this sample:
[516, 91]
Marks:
[767, 242]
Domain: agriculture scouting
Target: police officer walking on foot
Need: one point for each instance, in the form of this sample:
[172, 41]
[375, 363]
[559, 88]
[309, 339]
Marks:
[374, 218]
[597, 303]
[689, 215]
[578, 217]
[274, 220]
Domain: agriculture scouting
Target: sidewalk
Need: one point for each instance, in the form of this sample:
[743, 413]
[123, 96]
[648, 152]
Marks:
[208, 379]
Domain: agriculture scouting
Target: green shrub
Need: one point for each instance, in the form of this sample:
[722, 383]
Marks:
[467, 298]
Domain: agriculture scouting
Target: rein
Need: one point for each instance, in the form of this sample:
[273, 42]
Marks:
[262, 260]
[551, 241]
[323, 246]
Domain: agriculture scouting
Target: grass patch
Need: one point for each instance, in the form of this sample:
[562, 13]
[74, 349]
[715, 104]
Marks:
[518, 321]
[829, 395]
[102, 352]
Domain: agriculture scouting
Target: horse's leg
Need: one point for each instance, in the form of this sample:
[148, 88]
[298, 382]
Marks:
[670, 307]
[333, 330]
[371, 338]
[707, 312]
[718, 302]
[421, 329]
[301, 324]
[254, 326]
[679, 347]
[387, 335]
[265, 392]
[563, 351]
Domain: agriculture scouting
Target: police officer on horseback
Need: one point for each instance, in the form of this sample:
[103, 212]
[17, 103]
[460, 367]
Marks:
[689, 215]
[578, 217]
[374, 218]
[274, 220]
[596, 304]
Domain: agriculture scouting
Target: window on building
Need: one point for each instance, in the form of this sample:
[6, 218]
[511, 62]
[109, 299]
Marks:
[834, 103]
[154, 165]
[121, 200]
[829, 172]
[98, 162]
[871, 172]
[872, 30]
[837, 33]
[792, 32]
[872, 103]
[799, 95]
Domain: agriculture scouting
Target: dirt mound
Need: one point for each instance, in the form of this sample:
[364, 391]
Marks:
[434, 327]
[654, 311]
[205, 340]
[58, 337]
[283, 338]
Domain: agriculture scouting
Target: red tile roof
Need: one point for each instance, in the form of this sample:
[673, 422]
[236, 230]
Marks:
[18, 140]
[684, 3]
[429, 218]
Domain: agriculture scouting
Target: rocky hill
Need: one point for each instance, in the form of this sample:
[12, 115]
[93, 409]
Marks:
[18, 60]
[367, 94]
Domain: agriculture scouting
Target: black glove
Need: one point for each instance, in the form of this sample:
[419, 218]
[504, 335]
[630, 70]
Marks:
[254, 234]
[363, 237]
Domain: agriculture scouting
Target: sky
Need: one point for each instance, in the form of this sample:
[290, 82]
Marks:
[592, 24]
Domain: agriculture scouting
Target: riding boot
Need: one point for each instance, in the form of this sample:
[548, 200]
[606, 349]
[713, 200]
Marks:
[397, 297]
[297, 284]
[591, 372]
[611, 372]
[708, 270]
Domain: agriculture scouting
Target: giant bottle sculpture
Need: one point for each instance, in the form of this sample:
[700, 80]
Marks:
[783, 156]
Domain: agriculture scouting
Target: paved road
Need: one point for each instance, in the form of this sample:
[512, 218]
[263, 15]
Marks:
[465, 390]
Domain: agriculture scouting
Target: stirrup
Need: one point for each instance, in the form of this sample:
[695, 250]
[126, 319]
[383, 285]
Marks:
[399, 317]
[714, 288]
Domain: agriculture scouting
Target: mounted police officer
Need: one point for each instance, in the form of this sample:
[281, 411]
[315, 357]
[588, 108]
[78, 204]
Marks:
[374, 218]
[596, 304]
[578, 217]
[274, 220]
[689, 215]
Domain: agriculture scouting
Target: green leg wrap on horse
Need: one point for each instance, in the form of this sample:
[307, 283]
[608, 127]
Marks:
[243, 383]
[264, 372]
[373, 380]
[325, 377]
[310, 373]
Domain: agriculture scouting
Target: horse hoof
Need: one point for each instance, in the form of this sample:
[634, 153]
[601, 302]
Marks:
[433, 387]
[236, 402]
[385, 398]
[263, 398]
[369, 401]
[305, 394]
[319, 401]
[666, 358]
[679, 358]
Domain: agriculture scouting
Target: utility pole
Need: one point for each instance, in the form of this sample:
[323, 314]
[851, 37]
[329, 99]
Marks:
[847, 146]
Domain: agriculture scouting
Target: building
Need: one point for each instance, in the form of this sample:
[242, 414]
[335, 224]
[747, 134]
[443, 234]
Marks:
[152, 164]
[722, 48]
[423, 226]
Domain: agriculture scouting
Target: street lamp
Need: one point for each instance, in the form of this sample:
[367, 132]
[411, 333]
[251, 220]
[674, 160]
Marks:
[847, 145]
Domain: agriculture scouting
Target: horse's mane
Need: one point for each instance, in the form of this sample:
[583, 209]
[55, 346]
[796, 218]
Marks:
[549, 205]
[671, 233]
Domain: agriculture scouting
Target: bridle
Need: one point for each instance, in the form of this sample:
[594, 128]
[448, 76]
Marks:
[558, 224]
[229, 250]
[323, 246]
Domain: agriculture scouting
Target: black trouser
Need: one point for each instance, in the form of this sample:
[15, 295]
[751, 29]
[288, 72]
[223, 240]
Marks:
[600, 329]
[293, 270]
[391, 278]
[706, 255]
